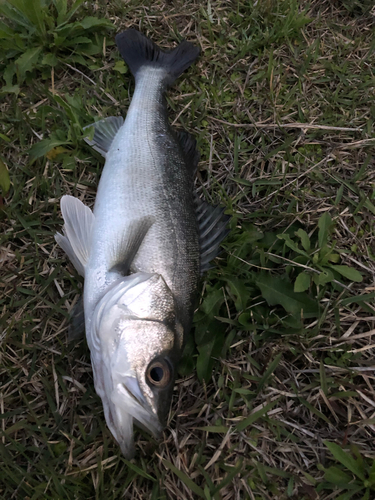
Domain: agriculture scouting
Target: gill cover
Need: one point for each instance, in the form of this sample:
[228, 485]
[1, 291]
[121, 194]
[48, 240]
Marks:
[133, 329]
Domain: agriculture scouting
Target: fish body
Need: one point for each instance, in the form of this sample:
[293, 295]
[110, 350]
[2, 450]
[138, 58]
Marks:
[142, 248]
[146, 180]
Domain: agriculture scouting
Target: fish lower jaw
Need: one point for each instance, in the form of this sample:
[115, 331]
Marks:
[123, 413]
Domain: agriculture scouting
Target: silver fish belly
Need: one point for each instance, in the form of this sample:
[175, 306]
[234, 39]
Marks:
[142, 248]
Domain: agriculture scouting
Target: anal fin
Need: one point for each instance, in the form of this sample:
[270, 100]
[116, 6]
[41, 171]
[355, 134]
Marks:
[212, 224]
[189, 147]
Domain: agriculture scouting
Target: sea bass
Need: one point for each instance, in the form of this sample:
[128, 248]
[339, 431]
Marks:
[142, 249]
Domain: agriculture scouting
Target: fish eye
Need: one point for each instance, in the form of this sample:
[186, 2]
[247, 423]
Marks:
[159, 373]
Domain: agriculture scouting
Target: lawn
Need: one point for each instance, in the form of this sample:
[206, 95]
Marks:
[275, 397]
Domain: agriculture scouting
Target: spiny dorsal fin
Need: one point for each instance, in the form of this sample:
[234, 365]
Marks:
[77, 231]
[138, 51]
[189, 148]
[105, 132]
[212, 224]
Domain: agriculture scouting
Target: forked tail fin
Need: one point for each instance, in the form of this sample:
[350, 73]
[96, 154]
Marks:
[138, 52]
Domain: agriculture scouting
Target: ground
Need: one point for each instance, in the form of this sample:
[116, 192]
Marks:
[275, 398]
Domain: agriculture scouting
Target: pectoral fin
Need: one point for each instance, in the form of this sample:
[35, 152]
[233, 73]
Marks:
[77, 231]
[125, 248]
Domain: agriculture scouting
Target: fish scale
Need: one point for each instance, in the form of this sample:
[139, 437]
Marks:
[154, 175]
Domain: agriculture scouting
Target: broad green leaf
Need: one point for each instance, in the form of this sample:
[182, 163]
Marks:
[348, 272]
[245, 392]
[50, 59]
[305, 240]
[290, 243]
[62, 8]
[12, 9]
[345, 459]
[120, 67]
[280, 291]
[28, 60]
[353, 488]
[78, 40]
[339, 194]
[43, 147]
[252, 233]
[91, 22]
[324, 224]
[359, 299]
[9, 73]
[5, 31]
[185, 479]
[337, 476]
[302, 282]
[54, 152]
[372, 473]
[34, 11]
[247, 321]
[212, 302]
[239, 291]
[70, 14]
[5, 138]
[326, 276]
[10, 89]
[334, 257]
[366, 496]
[206, 354]
[187, 361]
[4, 178]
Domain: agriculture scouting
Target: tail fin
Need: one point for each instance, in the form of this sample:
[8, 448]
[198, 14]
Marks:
[139, 51]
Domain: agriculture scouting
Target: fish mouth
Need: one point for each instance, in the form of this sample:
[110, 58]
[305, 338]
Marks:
[138, 407]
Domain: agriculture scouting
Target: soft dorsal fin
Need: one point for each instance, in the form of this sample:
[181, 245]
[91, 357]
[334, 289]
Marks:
[212, 224]
[77, 229]
[189, 148]
[105, 132]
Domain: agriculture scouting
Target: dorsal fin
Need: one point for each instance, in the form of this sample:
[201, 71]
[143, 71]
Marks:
[189, 147]
[77, 229]
[105, 132]
[212, 224]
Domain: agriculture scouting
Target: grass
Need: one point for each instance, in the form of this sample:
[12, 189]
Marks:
[276, 395]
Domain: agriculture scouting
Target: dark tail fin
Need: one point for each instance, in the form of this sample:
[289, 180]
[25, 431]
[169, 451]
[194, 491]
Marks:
[138, 51]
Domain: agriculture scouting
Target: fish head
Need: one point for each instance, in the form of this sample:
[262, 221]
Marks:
[138, 346]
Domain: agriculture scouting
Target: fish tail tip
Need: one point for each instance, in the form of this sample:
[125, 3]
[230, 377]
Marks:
[139, 51]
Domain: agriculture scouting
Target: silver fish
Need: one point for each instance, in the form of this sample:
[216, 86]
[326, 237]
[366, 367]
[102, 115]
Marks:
[143, 247]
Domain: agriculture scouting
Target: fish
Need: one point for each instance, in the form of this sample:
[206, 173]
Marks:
[144, 246]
